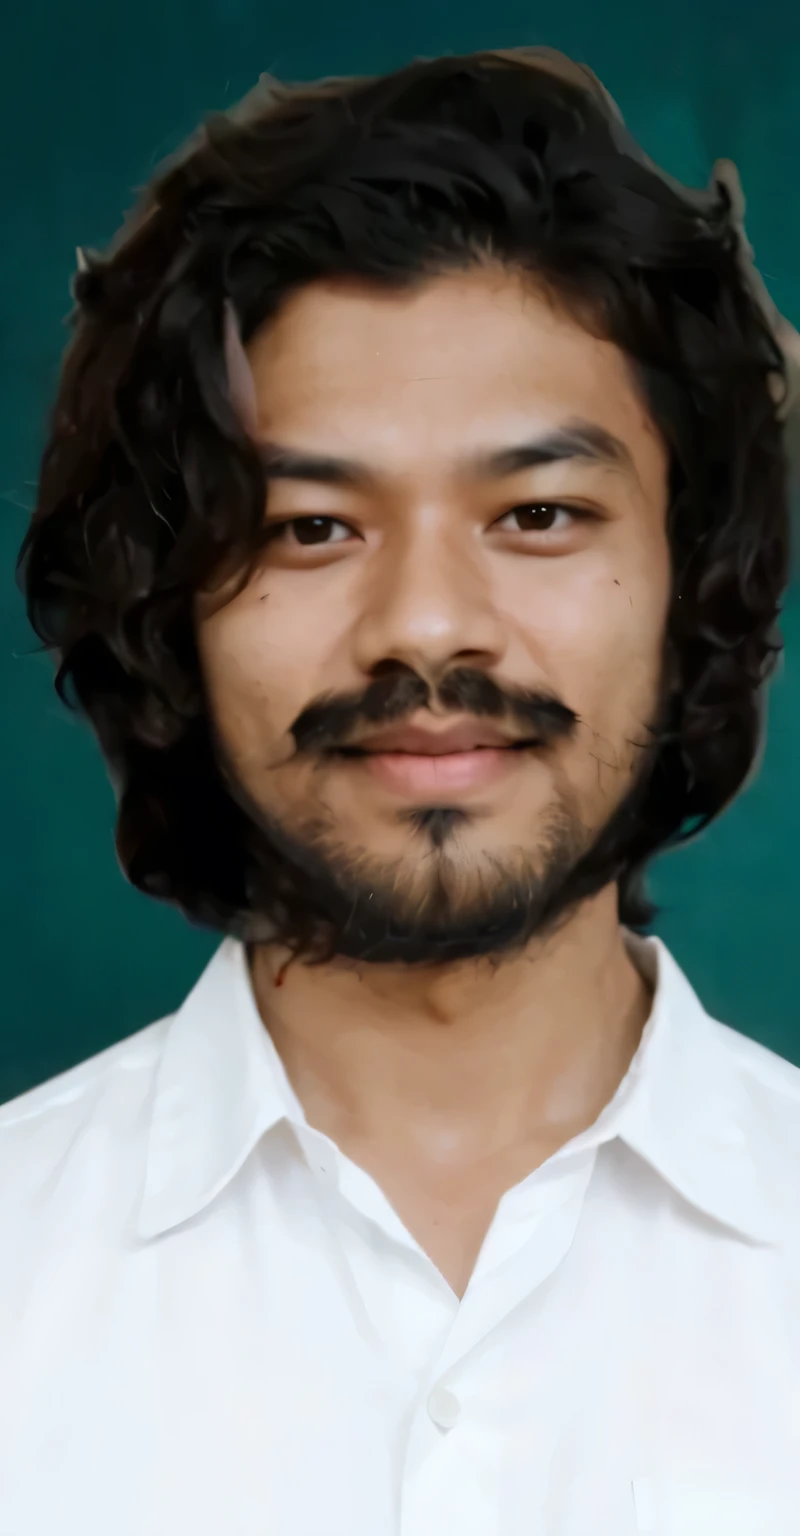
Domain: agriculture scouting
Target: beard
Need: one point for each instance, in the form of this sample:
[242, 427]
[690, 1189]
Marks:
[304, 888]
[438, 905]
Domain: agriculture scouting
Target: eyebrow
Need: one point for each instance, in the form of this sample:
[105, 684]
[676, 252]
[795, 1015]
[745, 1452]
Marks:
[577, 439]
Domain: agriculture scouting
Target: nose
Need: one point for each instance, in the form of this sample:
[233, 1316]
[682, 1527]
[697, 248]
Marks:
[429, 605]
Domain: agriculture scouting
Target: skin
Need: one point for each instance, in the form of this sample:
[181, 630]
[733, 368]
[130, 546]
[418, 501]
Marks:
[449, 1083]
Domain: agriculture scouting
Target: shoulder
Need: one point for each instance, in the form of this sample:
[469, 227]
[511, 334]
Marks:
[767, 1119]
[72, 1160]
[723, 1065]
[104, 1097]
[767, 1073]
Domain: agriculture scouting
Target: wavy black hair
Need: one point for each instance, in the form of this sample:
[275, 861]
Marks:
[150, 489]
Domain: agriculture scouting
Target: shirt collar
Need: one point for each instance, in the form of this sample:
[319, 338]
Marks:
[684, 1105]
[220, 1087]
[688, 1108]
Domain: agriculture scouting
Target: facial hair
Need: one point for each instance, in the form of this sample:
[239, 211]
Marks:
[364, 910]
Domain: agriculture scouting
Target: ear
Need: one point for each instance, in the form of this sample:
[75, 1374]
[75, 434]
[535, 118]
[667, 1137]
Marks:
[241, 387]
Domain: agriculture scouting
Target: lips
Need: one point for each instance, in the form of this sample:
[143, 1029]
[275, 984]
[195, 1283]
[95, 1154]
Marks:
[469, 736]
[421, 764]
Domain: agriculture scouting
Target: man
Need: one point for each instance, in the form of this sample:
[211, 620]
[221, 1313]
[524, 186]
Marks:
[412, 531]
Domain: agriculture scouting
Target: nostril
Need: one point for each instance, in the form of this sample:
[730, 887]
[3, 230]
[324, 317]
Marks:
[391, 667]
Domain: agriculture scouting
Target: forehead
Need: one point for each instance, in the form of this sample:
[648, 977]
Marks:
[464, 360]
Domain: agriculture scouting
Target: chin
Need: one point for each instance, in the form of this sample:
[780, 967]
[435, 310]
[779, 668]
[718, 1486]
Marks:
[435, 901]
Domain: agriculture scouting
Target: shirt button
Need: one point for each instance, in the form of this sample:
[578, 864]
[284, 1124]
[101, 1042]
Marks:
[443, 1407]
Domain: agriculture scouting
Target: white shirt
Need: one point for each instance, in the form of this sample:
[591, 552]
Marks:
[212, 1323]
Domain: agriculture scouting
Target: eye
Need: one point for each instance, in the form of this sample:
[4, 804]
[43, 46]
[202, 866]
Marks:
[537, 517]
[310, 530]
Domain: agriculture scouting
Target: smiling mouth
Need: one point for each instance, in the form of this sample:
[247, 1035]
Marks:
[425, 738]
[526, 745]
[419, 768]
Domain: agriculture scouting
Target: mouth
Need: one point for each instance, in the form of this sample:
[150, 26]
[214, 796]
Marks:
[414, 760]
[422, 741]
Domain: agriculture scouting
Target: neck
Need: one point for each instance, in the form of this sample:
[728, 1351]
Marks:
[460, 1061]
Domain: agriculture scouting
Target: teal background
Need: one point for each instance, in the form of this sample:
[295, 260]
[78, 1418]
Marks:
[93, 96]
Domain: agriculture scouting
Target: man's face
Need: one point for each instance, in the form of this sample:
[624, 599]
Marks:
[429, 529]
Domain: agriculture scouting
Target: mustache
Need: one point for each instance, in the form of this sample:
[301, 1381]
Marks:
[331, 722]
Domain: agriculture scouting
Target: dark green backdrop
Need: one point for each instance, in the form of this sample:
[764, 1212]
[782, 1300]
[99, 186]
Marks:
[93, 96]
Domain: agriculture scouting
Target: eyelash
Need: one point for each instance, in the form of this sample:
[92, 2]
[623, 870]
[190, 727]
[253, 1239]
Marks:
[275, 530]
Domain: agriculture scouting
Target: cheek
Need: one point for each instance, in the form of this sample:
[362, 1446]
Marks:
[255, 676]
[597, 630]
